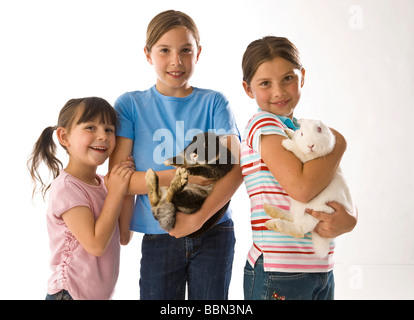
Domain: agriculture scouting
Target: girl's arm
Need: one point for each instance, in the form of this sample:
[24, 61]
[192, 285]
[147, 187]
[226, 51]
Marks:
[222, 192]
[125, 234]
[302, 181]
[95, 235]
[137, 184]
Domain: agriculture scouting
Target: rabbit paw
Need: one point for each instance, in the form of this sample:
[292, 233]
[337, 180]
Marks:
[275, 212]
[177, 184]
[180, 179]
[284, 227]
[151, 180]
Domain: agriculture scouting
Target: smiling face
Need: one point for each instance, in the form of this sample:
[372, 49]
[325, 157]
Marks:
[89, 143]
[276, 86]
[174, 57]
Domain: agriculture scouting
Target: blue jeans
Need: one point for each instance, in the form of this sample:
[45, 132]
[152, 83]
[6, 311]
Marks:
[261, 285]
[204, 263]
[61, 295]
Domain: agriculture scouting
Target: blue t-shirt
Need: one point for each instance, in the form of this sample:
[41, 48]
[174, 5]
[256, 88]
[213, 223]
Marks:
[161, 127]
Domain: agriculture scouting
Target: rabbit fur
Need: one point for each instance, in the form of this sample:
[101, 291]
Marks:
[313, 140]
[207, 156]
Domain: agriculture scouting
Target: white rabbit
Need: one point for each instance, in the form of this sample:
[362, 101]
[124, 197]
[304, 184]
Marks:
[312, 140]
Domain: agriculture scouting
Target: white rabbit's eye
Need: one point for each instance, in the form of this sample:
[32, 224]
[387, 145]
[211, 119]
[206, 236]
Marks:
[301, 134]
[319, 129]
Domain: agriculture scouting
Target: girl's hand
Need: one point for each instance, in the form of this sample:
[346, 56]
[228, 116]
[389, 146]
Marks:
[117, 180]
[186, 224]
[334, 224]
[129, 162]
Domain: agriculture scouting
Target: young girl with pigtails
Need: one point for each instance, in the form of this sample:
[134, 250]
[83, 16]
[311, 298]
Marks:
[84, 207]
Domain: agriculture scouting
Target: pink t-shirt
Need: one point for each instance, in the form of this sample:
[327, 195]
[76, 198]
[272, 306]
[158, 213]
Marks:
[73, 268]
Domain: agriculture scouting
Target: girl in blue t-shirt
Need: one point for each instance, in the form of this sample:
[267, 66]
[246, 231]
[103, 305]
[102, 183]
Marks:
[158, 123]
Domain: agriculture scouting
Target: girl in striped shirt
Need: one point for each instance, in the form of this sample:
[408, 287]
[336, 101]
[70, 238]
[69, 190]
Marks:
[280, 266]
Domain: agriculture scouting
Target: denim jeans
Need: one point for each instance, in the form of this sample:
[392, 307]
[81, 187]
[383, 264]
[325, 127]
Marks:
[203, 263]
[61, 295]
[261, 285]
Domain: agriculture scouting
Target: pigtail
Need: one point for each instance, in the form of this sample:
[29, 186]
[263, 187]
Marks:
[44, 151]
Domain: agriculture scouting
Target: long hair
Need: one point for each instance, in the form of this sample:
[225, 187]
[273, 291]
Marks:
[44, 150]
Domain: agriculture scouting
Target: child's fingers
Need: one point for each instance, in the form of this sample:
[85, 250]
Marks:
[118, 170]
[129, 173]
[126, 171]
[129, 164]
[121, 175]
[121, 166]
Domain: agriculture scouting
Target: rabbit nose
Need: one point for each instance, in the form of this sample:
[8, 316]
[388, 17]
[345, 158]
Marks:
[311, 147]
[193, 158]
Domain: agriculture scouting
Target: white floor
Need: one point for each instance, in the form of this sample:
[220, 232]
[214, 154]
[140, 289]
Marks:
[352, 282]
[374, 282]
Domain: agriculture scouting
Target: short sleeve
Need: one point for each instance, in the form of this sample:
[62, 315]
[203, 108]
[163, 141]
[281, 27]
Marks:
[263, 123]
[66, 196]
[125, 112]
[223, 117]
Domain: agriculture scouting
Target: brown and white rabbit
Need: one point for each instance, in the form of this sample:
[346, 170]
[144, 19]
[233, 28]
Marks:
[207, 156]
[313, 140]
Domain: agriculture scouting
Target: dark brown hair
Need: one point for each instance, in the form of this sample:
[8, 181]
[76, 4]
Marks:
[266, 49]
[166, 21]
[44, 150]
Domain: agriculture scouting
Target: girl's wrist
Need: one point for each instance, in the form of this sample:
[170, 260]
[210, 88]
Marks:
[115, 195]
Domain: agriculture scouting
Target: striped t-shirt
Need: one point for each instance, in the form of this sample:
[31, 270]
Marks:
[280, 252]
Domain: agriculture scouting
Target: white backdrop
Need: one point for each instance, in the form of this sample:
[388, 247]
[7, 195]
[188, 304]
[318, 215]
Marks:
[359, 60]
